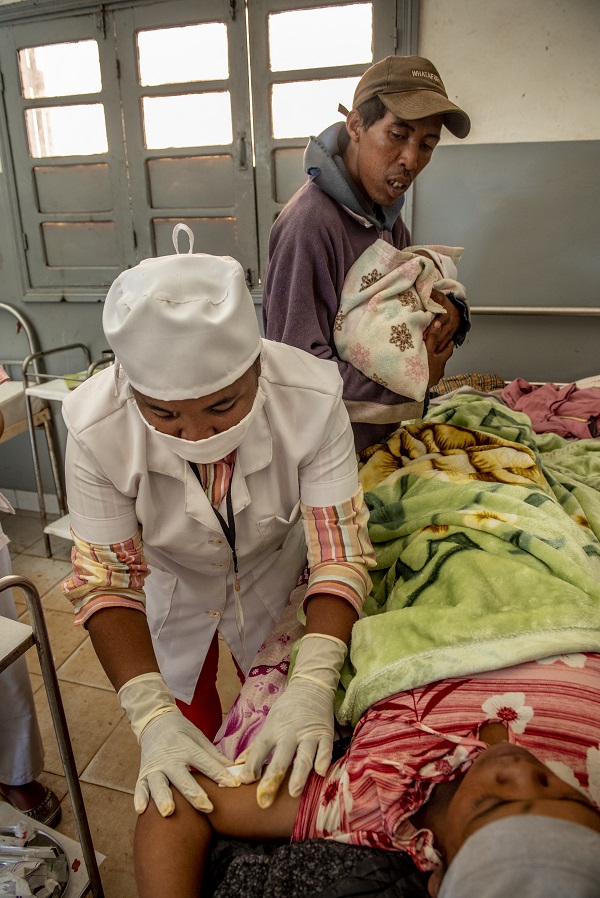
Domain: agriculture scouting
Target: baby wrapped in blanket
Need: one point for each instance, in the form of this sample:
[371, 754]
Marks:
[385, 308]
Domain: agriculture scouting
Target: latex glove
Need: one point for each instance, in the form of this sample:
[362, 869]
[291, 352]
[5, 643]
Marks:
[299, 723]
[169, 743]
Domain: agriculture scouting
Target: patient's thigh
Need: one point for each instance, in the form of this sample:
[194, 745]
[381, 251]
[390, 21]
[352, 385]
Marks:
[236, 812]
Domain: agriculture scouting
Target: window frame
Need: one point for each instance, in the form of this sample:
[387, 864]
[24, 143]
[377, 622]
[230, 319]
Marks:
[394, 31]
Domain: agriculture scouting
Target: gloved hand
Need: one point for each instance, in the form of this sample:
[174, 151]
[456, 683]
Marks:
[169, 743]
[300, 722]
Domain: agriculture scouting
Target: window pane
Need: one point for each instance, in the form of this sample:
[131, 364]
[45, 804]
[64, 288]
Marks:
[191, 120]
[311, 38]
[303, 108]
[176, 55]
[81, 244]
[60, 70]
[66, 130]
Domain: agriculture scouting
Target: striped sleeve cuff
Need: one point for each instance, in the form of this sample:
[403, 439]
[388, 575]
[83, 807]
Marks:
[97, 603]
[338, 533]
[106, 576]
[339, 549]
[348, 581]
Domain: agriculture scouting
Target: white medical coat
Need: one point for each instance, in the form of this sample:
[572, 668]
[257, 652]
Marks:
[119, 477]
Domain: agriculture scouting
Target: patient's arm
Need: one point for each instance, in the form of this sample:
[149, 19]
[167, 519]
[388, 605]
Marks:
[170, 852]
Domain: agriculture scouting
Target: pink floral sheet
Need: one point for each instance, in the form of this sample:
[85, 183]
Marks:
[408, 743]
[266, 680]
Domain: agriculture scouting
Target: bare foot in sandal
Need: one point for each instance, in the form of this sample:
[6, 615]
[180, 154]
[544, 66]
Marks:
[33, 799]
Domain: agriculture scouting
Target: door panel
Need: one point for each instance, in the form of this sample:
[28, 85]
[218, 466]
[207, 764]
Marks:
[67, 153]
[187, 126]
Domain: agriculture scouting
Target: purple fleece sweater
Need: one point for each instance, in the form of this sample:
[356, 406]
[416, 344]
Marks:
[312, 246]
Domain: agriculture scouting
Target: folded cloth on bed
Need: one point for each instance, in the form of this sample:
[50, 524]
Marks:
[568, 410]
[483, 383]
[487, 551]
[385, 307]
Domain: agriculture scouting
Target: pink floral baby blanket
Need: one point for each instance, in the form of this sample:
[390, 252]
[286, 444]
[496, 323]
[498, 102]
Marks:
[385, 308]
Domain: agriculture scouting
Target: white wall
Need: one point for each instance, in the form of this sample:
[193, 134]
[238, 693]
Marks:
[524, 70]
[521, 193]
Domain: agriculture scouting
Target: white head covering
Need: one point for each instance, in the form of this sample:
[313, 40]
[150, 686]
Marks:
[533, 856]
[182, 326]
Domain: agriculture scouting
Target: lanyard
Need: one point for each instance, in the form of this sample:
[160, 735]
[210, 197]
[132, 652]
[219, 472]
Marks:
[228, 527]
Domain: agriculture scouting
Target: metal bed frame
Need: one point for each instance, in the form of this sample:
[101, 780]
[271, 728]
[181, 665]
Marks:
[550, 311]
[33, 374]
[21, 637]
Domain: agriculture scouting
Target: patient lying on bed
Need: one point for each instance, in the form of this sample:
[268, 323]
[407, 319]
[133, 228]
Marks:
[425, 771]
[489, 566]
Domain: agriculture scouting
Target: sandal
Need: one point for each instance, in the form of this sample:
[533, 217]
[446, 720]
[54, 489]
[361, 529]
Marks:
[47, 811]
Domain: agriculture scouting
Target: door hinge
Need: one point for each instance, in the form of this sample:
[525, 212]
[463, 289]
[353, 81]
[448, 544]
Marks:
[395, 38]
[25, 241]
[233, 9]
[242, 153]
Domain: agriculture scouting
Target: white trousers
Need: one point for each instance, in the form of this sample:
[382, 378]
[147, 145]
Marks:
[21, 750]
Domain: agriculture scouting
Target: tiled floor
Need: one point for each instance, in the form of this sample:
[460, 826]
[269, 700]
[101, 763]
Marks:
[106, 752]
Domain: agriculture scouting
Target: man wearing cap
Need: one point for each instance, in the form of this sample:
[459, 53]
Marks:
[359, 172]
[195, 502]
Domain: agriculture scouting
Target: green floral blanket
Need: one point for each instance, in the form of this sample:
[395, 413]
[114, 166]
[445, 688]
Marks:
[488, 554]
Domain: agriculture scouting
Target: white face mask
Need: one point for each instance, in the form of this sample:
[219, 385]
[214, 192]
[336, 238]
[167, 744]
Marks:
[212, 449]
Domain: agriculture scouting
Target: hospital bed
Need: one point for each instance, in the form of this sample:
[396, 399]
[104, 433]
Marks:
[324, 868]
[12, 397]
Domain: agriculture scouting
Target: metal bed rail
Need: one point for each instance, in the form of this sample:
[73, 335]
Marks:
[550, 311]
[39, 637]
[32, 340]
[30, 380]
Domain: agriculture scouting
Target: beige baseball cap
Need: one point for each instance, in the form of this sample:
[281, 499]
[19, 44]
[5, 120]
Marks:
[411, 88]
